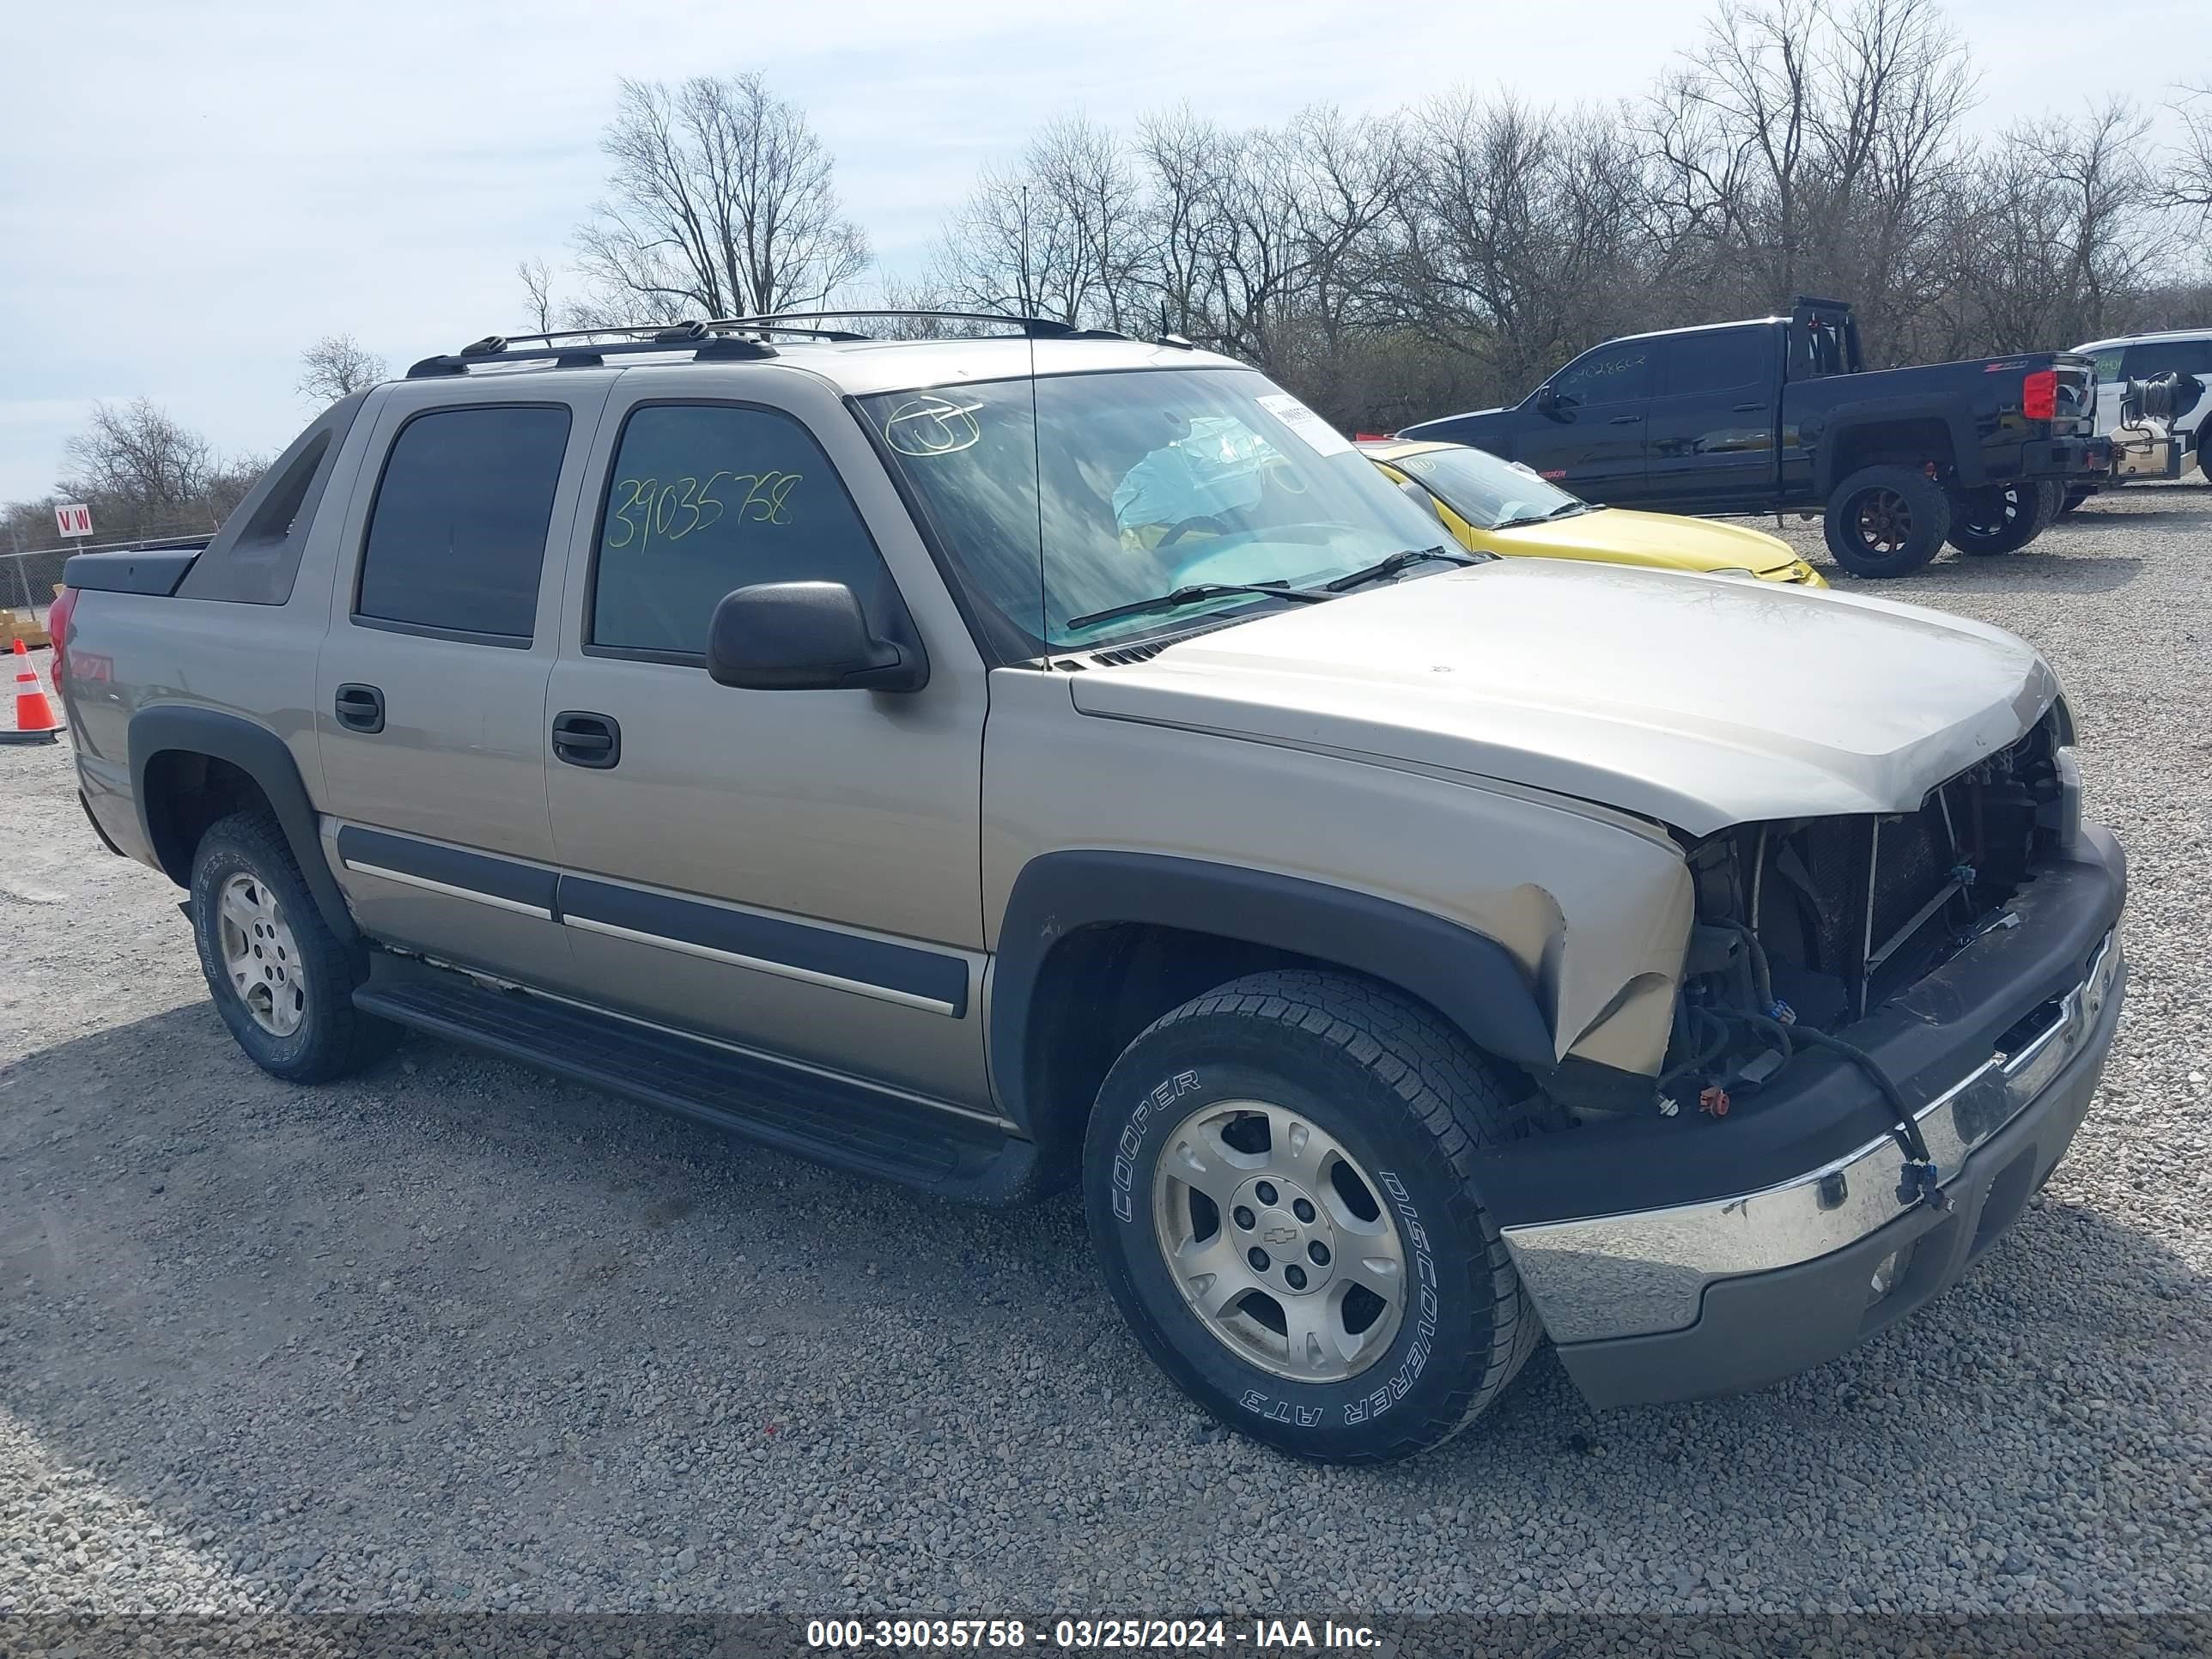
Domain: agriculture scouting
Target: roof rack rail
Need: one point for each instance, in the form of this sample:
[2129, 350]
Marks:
[717, 338]
[1037, 328]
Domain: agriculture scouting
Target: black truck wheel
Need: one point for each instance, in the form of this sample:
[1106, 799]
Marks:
[2075, 495]
[282, 980]
[2002, 518]
[1886, 520]
[1275, 1176]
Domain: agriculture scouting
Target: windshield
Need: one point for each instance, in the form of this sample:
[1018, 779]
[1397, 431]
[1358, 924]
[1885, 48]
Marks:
[1137, 483]
[1484, 490]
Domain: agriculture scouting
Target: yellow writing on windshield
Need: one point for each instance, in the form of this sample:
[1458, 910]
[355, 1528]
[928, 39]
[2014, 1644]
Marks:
[646, 510]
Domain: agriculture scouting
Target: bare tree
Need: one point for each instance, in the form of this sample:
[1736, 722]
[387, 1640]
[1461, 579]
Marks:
[1805, 146]
[2056, 237]
[536, 278]
[145, 473]
[2188, 180]
[1059, 234]
[722, 202]
[337, 366]
[136, 457]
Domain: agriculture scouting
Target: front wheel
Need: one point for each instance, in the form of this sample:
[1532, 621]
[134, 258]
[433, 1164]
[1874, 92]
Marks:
[1276, 1182]
[2003, 518]
[1886, 520]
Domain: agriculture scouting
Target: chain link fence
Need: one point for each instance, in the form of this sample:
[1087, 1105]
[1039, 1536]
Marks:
[28, 576]
[26, 580]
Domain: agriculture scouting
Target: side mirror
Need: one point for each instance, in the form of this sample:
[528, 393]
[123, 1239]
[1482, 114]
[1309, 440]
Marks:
[1552, 403]
[805, 636]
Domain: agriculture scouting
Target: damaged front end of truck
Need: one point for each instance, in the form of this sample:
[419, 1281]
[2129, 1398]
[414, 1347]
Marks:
[1887, 1029]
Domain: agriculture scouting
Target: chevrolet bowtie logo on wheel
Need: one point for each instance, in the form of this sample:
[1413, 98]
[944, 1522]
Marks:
[1281, 1237]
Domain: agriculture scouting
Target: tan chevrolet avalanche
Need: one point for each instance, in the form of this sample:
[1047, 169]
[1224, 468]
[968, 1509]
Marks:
[1008, 764]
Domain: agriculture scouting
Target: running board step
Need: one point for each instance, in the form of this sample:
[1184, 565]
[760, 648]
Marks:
[848, 1125]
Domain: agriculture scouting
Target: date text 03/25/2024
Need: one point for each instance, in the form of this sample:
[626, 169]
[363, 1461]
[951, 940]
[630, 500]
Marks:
[1258, 1637]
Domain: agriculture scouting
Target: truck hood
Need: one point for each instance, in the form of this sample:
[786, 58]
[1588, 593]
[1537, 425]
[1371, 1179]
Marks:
[1697, 701]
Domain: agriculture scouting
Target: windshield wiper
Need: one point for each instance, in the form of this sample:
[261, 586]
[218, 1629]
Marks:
[1563, 510]
[1394, 564]
[1193, 595]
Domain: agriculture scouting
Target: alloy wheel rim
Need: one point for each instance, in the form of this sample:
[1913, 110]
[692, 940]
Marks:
[2007, 509]
[261, 956]
[1885, 521]
[1282, 1245]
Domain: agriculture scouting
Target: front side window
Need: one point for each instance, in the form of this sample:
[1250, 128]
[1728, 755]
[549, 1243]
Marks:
[1612, 375]
[457, 533]
[1072, 494]
[709, 497]
[1488, 493]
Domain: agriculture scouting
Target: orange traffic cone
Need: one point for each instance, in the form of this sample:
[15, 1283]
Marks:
[34, 715]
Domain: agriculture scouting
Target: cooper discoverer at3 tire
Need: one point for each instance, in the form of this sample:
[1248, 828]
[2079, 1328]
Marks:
[281, 979]
[1275, 1178]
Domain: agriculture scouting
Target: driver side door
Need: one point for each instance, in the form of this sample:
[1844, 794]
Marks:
[1588, 435]
[796, 871]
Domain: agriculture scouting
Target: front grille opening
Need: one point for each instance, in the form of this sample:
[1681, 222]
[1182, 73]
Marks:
[2030, 1025]
[1821, 920]
[1851, 909]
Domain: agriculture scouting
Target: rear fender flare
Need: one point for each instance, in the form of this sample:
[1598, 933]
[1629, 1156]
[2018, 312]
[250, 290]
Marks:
[1469, 978]
[262, 755]
[1841, 426]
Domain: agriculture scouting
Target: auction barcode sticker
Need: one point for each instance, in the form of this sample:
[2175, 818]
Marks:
[1318, 434]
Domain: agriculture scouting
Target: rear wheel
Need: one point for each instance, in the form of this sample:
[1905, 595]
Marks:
[1276, 1183]
[2074, 496]
[2002, 518]
[281, 979]
[1886, 520]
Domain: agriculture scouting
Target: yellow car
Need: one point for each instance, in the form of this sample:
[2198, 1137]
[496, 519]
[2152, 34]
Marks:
[1498, 506]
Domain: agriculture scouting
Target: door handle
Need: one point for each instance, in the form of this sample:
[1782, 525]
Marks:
[1624, 420]
[587, 739]
[1748, 409]
[361, 708]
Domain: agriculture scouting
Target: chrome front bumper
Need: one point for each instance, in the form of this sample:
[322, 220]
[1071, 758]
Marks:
[1647, 1272]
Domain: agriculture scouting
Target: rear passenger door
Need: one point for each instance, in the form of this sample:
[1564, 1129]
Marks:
[1711, 423]
[796, 871]
[431, 682]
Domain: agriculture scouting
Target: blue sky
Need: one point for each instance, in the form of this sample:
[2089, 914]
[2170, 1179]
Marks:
[191, 193]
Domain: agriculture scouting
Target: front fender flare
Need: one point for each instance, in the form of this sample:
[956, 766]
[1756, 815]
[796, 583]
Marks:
[1469, 978]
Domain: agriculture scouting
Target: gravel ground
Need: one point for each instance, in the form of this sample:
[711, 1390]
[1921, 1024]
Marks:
[449, 1336]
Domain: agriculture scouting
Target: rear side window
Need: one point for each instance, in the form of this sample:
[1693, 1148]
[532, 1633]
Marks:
[1612, 375]
[1724, 361]
[2155, 357]
[457, 533]
[709, 497]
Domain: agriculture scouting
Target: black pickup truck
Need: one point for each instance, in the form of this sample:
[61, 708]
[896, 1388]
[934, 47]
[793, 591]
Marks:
[1777, 415]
